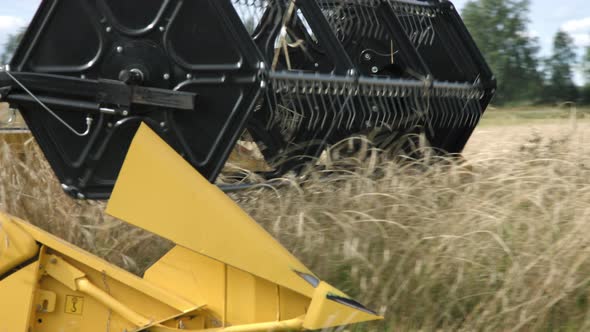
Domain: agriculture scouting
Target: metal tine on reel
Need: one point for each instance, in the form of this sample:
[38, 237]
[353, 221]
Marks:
[453, 115]
[344, 109]
[252, 11]
[414, 30]
[475, 115]
[391, 117]
[374, 109]
[463, 115]
[382, 114]
[384, 107]
[416, 21]
[323, 97]
[448, 112]
[316, 114]
[359, 17]
[447, 115]
[414, 107]
[459, 117]
[401, 109]
[300, 115]
[442, 111]
[478, 110]
[271, 103]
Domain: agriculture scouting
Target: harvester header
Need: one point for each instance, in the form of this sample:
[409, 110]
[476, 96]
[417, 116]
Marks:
[142, 102]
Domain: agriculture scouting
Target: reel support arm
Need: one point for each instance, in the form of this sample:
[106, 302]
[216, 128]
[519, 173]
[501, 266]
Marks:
[94, 96]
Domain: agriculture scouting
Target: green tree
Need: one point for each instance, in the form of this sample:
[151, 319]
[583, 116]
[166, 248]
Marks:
[11, 46]
[499, 27]
[560, 68]
[586, 65]
[585, 93]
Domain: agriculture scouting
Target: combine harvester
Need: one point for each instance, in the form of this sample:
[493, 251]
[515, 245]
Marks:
[142, 101]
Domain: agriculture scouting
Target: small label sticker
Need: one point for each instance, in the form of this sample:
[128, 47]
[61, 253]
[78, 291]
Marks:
[74, 304]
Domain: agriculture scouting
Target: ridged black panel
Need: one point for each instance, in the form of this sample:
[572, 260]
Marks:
[135, 14]
[198, 45]
[211, 43]
[69, 42]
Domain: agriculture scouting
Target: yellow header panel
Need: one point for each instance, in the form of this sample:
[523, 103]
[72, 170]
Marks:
[16, 245]
[159, 191]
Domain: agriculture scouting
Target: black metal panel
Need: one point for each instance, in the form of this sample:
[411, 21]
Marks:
[197, 46]
[134, 16]
[62, 49]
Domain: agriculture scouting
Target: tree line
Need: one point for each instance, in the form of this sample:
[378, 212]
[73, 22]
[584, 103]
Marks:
[11, 45]
[500, 29]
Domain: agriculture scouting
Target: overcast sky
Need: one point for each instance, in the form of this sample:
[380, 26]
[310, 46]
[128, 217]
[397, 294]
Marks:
[547, 17]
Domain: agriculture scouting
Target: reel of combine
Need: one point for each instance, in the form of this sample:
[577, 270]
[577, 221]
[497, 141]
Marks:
[389, 70]
[297, 75]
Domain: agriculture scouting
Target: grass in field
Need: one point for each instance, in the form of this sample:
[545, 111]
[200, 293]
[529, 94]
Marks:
[493, 244]
[540, 114]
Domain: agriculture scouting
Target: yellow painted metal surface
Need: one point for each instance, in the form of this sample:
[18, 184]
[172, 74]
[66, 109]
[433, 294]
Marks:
[16, 299]
[234, 297]
[76, 280]
[325, 312]
[185, 273]
[159, 191]
[45, 300]
[225, 273]
[287, 325]
[16, 245]
[292, 304]
[88, 300]
[250, 299]
[96, 264]
[74, 305]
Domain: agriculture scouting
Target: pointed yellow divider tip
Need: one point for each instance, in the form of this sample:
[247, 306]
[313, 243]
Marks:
[330, 307]
[159, 191]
